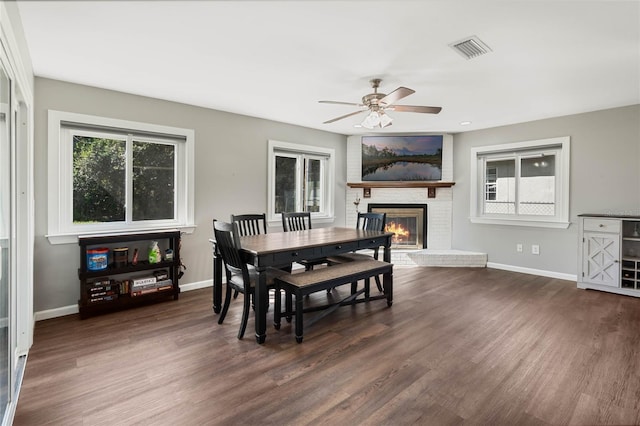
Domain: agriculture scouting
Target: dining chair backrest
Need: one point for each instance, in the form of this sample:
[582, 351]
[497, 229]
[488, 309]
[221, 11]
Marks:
[372, 221]
[228, 244]
[296, 221]
[250, 224]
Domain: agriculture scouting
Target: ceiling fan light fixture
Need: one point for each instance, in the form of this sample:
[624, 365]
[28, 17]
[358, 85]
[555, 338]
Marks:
[377, 119]
[385, 120]
[372, 120]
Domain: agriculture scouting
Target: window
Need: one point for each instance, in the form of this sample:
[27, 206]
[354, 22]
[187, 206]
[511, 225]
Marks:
[109, 175]
[300, 179]
[524, 183]
[490, 185]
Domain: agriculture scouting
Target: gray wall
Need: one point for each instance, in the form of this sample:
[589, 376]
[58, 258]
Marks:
[605, 178]
[230, 175]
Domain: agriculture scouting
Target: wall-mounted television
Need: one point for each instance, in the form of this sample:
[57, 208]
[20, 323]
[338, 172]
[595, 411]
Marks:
[402, 158]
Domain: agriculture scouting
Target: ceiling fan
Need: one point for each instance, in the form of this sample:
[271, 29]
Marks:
[378, 103]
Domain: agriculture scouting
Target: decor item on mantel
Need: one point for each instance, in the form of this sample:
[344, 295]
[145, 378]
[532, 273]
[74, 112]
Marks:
[402, 158]
[431, 186]
[357, 203]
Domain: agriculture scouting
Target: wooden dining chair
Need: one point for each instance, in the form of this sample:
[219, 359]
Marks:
[300, 221]
[239, 277]
[250, 224]
[296, 221]
[367, 221]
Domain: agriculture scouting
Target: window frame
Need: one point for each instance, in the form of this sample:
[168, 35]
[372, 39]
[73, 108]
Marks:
[327, 177]
[519, 150]
[61, 125]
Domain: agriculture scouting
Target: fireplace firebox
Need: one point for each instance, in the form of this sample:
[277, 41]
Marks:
[407, 221]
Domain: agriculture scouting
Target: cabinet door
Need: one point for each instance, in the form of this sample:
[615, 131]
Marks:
[601, 259]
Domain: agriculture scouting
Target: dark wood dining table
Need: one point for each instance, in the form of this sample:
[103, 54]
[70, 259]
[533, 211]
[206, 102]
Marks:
[281, 248]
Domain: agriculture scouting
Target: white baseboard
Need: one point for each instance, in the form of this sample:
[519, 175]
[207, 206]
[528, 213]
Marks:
[73, 309]
[56, 312]
[540, 272]
[197, 285]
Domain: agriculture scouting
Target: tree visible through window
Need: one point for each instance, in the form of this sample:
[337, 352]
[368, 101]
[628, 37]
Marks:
[98, 179]
[100, 182]
[153, 181]
[285, 184]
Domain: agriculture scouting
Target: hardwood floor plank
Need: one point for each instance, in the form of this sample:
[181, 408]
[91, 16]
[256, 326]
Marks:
[458, 346]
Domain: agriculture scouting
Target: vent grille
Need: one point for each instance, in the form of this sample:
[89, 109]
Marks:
[470, 47]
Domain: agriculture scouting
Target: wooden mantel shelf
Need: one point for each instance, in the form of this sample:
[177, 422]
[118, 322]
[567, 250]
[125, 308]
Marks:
[431, 186]
[400, 184]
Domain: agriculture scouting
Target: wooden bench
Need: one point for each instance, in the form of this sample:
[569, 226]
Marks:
[304, 283]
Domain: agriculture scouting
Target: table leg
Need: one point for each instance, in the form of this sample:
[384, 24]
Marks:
[387, 283]
[387, 279]
[217, 282]
[261, 302]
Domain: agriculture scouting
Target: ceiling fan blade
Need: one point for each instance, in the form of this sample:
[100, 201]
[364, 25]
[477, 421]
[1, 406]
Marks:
[341, 117]
[412, 108]
[340, 103]
[396, 95]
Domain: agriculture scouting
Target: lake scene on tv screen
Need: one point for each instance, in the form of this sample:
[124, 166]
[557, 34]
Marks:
[402, 158]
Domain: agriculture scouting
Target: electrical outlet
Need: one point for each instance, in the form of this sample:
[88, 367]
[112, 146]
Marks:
[519, 248]
[535, 249]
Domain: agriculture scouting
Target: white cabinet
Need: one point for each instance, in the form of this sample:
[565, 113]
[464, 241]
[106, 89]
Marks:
[610, 254]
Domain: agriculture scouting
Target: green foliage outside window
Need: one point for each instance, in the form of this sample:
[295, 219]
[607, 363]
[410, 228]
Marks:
[99, 180]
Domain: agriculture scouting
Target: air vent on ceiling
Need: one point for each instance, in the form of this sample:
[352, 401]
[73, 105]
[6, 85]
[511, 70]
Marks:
[470, 47]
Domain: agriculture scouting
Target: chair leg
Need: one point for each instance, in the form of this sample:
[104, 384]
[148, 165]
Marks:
[235, 294]
[367, 286]
[299, 309]
[277, 309]
[225, 307]
[245, 313]
[288, 305]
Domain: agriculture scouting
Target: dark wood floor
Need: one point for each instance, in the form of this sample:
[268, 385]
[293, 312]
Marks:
[459, 346]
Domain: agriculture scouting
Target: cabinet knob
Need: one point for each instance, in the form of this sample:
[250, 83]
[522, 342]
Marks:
[338, 247]
[616, 261]
[294, 254]
[601, 226]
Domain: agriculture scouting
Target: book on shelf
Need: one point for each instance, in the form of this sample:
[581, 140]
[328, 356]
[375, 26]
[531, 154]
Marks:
[144, 287]
[137, 282]
[96, 288]
[161, 275]
[99, 299]
[103, 293]
[151, 290]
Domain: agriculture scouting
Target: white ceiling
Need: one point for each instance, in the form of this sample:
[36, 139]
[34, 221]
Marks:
[277, 59]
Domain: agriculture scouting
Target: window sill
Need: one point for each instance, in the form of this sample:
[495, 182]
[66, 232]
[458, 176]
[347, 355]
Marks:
[521, 222]
[72, 238]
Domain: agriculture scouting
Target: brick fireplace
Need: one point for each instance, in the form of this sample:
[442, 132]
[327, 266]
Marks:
[437, 232]
[436, 236]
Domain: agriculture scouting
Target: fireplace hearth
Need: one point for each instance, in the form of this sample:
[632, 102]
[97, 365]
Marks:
[407, 221]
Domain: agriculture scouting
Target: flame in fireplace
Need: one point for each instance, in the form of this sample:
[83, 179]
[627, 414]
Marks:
[400, 232]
